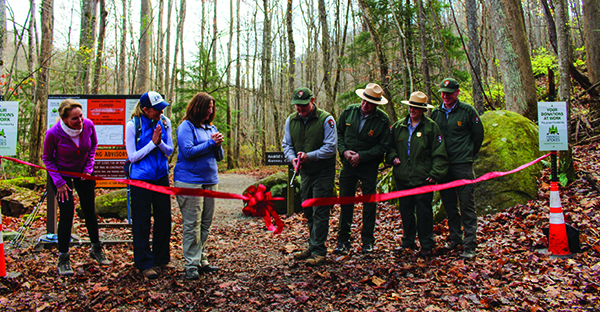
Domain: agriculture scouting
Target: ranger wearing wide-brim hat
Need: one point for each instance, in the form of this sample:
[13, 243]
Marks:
[363, 131]
[419, 157]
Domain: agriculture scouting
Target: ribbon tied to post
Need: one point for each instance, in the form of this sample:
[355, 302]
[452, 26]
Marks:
[259, 203]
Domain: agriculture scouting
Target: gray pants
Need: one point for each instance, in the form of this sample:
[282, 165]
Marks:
[197, 215]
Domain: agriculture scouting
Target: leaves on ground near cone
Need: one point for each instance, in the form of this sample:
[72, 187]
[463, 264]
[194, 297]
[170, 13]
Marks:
[258, 272]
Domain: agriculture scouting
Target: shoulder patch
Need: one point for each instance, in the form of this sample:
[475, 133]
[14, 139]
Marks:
[331, 123]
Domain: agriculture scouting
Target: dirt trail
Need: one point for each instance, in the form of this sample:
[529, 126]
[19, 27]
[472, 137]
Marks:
[227, 210]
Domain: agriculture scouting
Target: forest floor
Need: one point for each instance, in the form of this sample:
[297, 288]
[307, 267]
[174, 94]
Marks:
[258, 273]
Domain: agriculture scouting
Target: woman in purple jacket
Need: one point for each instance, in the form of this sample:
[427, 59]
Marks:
[70, 145]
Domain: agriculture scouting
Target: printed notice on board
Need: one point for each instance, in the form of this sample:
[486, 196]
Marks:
[552, 121]
[9, 120]
[108, 116]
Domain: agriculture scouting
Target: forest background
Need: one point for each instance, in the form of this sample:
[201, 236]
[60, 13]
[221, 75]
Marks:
[251, 55]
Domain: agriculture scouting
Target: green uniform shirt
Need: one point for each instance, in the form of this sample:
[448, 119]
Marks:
[308, 137]
[462, 130]
[372, 142]
[427, 158]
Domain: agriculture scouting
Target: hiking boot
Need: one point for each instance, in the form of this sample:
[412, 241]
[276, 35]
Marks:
[150, 273]
[301, 255]
[64, 265]
[342, 248]
[97, 253]
[453, 245]
[468, 253]
[192, 274]
[167, 266]
[367, 248]
[315, 260]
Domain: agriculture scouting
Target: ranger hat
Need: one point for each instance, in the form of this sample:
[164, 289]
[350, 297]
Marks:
[302, 96]
[418, 99]
[449, 85]
[153, 99]
[373, 93]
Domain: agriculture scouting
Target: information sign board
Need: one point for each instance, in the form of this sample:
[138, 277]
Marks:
[9, 121]
[553, 130]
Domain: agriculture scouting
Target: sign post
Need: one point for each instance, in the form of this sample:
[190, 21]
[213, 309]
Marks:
[553, 136]
[278, 159]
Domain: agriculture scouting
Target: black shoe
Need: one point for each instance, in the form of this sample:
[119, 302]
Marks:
[64, 265]
[468, 253]
[367, 248]
[342, 248]
[209, 269]
[97, 253]
[426, 253]
[453, 245]
[191, 274]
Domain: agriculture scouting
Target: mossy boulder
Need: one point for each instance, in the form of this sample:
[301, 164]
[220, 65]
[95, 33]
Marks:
[110, 205]
[16, 200]
[277, 184]
[510, 140]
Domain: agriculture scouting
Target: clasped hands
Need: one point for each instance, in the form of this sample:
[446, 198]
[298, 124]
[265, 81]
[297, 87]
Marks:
[352, 157]
[217, 137]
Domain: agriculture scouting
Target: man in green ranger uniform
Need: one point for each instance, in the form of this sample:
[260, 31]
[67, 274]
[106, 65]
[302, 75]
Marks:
[363, 131]
[309, 143]
[463, 132]
[419, 157]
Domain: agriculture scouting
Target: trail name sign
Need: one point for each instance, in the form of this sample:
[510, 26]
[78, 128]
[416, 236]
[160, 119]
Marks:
[275, 159]
[552, 121]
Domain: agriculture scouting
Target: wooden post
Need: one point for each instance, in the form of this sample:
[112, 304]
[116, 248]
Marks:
[291, 192]
[51, 218]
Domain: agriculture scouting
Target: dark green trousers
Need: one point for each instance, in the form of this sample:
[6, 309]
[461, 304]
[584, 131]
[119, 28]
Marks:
[462, 198]
[423, 224]
[316, 186]
[349, 177]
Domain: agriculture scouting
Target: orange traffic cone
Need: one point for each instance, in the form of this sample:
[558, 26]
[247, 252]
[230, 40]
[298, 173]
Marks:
[558, 244]
[2, 262]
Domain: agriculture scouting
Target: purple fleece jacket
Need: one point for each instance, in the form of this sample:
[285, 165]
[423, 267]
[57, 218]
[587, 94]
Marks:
[61, 153]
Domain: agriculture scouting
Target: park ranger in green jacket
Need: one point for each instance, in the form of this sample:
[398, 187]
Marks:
[309, 143]
[463, 132]
[363, 131]
[419, 157]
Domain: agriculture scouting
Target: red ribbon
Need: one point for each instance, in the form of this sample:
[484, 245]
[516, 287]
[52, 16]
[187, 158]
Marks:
[260, 205]
[415, 191]
[262, 200]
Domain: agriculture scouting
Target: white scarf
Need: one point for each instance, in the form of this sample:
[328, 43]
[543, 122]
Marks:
[71, 132]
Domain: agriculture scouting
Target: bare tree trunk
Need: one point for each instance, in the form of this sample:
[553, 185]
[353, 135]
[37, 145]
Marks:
[123, 51]
[229, 120]
[31, 38]
[383, 65]
[100, 50]
[473, 25]
[214, 41]
[326, 57]
[424, 58]
[291, 47]
[591, 22]
[515, 60]
[338, 70]
[564, 51]
[87, 38]
[238, 88]
[167, 82]
[38, 122]
[160, 42]
[142, 78]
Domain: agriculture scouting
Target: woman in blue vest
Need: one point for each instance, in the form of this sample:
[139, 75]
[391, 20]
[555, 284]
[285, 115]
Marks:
[199, 150]
[149, 142]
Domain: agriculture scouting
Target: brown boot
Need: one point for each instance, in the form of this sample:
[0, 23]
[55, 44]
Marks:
[301, 255]
[315, 260]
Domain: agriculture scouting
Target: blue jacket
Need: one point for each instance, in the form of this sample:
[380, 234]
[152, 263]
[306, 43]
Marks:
[148, 161]
[198, 154]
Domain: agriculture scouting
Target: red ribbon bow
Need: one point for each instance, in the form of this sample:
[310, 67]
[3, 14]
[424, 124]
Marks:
[260, 205]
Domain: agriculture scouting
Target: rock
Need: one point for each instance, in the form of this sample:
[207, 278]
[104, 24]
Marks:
[510, 140]
[110, 205]
[277, 184]
[8, 236]
[17, 201]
